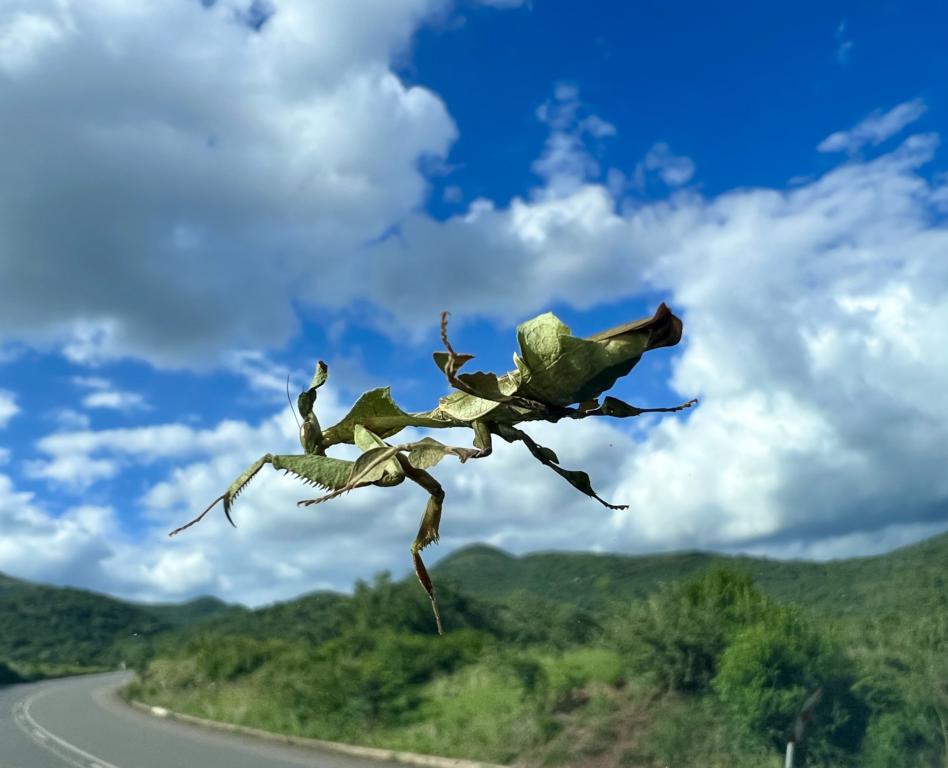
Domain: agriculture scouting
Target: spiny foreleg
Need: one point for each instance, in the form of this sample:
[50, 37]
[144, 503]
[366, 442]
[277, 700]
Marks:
[322, 471]
[427, 531]
[230, 494]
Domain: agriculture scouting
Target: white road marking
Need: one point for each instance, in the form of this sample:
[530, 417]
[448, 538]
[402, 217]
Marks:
[78, 757]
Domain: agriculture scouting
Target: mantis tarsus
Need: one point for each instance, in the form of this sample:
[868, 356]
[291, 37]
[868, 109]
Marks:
[557, 376]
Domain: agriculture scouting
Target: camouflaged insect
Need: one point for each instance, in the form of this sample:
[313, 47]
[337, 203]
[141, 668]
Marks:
[557, 376]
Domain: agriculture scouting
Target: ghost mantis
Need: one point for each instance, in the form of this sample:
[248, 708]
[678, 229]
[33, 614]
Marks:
[556, 376]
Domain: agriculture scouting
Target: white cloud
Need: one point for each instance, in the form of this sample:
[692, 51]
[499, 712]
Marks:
[115, 400]
[673, 170]
[239, 167]
[260, 373]
[814, 317]
[104, 395]
[844, 45]
[8, 407]
[25, 37]
[78, 459]
[69, 548]
[566, 161]
[809, 315]
[67, 419]
[875, 128]
[815, 321]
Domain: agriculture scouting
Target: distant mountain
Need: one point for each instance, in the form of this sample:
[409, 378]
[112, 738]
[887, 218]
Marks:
[49, 630]
[858, 586]
[53, 630]
[312, 618]
[194, 611]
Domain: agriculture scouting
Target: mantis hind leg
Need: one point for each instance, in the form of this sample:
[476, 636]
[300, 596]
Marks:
[427, 531]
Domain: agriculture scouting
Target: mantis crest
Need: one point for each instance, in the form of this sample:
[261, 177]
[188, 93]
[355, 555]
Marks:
[557, 376]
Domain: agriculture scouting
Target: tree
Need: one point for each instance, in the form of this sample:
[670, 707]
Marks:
[771, 667]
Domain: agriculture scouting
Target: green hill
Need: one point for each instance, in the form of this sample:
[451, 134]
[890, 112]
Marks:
[882, 584]
[47, 630]
[194, 611]
[550, 659]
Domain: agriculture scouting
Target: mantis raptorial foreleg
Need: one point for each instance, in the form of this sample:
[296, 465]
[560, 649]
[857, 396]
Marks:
[427, 531]
[322, 471]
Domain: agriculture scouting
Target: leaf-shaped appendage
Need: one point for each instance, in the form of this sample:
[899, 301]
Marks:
[561, 369]
[557, 376]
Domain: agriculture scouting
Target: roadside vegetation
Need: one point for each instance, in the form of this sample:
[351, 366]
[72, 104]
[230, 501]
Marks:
[708, 670]
[549, 659]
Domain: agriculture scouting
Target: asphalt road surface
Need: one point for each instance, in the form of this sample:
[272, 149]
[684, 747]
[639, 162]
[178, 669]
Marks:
[80, 722]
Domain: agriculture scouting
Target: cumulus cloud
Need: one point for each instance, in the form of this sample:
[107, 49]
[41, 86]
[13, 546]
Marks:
[566, 161]
[260, 373]
[673, 170]
[67, 419]
[240, 166]
[8, 407]
[38, 545]
[810, 317]
[104, 395]
[875, 128]
[79, 458]
[210, 174]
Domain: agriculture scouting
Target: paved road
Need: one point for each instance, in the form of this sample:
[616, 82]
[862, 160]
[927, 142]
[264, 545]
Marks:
[79, 722]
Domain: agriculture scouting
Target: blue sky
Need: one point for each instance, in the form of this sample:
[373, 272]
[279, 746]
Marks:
[201, 198]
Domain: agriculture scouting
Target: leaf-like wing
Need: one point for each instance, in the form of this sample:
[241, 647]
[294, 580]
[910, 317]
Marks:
[556, 368]
[427, 452]
[560, 369]
[368, 441]
[373, 465]
[465, 407]
[376, 411]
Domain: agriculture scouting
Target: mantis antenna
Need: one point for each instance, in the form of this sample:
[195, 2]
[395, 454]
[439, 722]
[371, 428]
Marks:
[290, 401]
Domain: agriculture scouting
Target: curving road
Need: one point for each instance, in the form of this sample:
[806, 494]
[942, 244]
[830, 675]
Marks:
[80, 722]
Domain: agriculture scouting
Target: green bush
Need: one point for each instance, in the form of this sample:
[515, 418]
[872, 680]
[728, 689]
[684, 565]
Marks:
[676, 637]
[766, 674]
[902, 738]
[904, 680]
[366, 679]
[534, 620]
[224, 659]
[690, 731]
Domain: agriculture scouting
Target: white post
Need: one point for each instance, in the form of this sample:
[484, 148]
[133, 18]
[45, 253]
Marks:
[789, 761]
